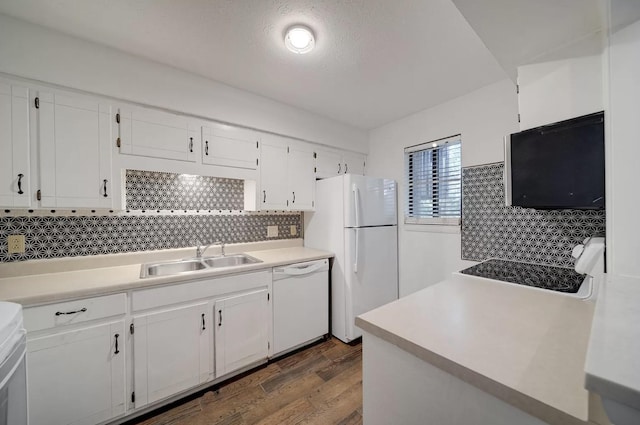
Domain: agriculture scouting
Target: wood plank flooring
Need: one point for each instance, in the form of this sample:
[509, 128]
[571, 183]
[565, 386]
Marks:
[319, 385]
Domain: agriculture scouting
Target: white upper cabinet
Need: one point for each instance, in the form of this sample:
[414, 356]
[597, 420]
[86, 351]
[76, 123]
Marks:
[287, 174]
[74, 141]
[353, 163]
[15, 172]
[554, 91]
[230, 146]
[301, 177]
[157, 134]
[330, 162]
[274, 192]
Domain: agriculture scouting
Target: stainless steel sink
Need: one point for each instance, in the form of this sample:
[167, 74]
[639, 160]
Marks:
[230, 260]
[195, 264]
[173, 267]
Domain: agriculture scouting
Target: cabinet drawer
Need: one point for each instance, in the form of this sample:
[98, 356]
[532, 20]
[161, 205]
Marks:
[191, 291]
[71, 312]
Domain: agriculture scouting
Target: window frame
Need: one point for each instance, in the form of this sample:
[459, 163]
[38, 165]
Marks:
[428, 146]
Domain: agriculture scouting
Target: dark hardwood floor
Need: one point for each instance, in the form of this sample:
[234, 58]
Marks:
[319, 385]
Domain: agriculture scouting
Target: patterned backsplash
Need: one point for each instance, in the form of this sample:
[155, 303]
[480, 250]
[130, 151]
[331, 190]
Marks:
[492, 230]
[150, 190]
[55, 236]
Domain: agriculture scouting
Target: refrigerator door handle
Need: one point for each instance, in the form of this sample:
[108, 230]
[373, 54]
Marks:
[355, 262]
[356, 204]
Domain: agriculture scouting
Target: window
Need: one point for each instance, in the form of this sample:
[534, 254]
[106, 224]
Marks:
[433, 178]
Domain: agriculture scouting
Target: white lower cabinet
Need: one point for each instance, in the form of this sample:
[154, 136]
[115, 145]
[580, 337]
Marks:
[175, 338]
[241, 330]
[170, 352]
[77, 376]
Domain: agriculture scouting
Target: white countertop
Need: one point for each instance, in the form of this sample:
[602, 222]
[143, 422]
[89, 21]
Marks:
[523, 346]
[613, 361]
[48, 281]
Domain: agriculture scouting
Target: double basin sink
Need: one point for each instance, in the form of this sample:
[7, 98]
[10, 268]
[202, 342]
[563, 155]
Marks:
[189, 265]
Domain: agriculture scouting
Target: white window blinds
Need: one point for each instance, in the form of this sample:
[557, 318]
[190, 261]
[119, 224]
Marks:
[433, 181]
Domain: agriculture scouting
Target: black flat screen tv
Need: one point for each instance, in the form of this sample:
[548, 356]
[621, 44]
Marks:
[557, 166]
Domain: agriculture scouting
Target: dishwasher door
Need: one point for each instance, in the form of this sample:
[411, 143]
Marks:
[300, 304]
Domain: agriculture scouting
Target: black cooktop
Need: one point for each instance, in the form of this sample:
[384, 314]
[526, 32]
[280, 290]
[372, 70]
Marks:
[546, 277]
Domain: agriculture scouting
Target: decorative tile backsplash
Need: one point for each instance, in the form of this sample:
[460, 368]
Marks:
[55, 236]
[492, 230]
[150, 190]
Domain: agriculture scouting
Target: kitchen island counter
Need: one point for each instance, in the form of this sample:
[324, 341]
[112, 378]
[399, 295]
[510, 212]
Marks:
[524, 347]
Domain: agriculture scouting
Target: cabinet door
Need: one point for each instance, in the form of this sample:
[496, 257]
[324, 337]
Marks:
[157, 134]
[77, 377]
[353, 163]
[75, 155]
[301, 178]
[15, 172]
[170, 352]
[274, 194]
[229, 146]
[328, 164]
[241, 331]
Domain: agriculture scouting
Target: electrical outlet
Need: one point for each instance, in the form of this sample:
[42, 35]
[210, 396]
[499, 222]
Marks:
[16, 244]
[293, 230]
[272, 231]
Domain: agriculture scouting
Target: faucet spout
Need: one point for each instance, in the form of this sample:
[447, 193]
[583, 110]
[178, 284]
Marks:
[200, 250]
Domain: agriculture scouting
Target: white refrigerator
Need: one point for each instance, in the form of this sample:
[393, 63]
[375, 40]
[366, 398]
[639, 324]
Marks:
[356, 219]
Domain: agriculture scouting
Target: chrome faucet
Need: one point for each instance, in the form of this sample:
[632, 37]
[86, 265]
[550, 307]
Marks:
[200, 250]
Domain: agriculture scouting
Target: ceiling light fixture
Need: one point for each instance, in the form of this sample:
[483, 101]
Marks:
[299, 39]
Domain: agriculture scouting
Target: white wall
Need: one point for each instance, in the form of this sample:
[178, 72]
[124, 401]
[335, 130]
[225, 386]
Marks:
[428, 254]
[623, 197]
[37, 53]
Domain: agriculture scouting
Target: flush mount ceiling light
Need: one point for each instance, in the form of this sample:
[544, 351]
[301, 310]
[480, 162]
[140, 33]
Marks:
[299, 39]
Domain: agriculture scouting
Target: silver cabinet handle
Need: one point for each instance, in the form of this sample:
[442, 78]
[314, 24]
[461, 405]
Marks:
[264, 196]
[339, 168]
[206, 147]
[104, 188]
[190, 144]
[220, 317]
[294, 197]
[346, 168]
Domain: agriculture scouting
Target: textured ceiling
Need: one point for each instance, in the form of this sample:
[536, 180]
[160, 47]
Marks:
[518, 32]
[375, 60]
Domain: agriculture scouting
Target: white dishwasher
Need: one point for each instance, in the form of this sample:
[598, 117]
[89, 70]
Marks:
[300, 304]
